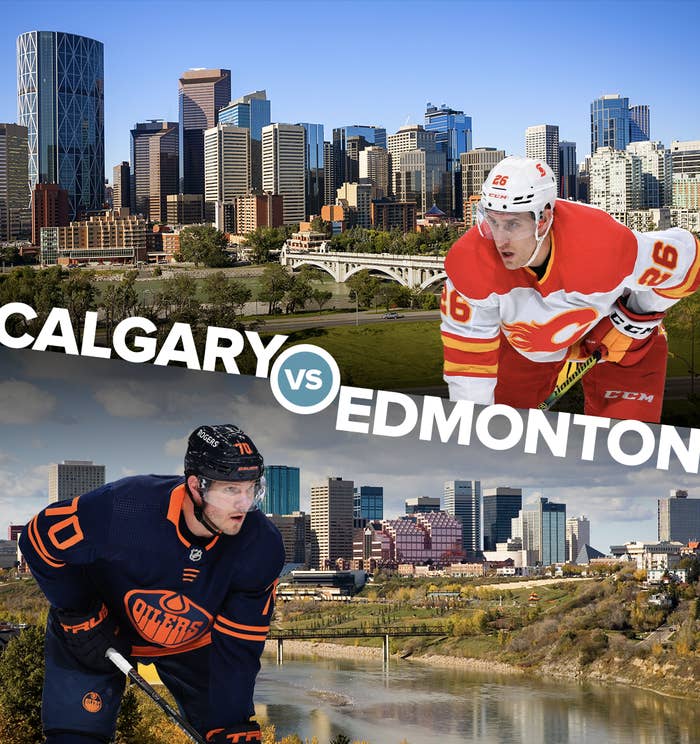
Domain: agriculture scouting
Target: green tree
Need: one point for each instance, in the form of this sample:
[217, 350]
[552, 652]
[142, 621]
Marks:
[79, 296]
[177, 301]
[120, 301]
[298, 294]
[225, 299]
[321, 226]
[204, 244]
[364, 287]
[274, 283]
[321, 297]
[264, 240]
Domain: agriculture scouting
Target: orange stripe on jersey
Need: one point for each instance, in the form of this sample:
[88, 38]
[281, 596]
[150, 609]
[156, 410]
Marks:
[273, 594]
[461, 343]
[205, 640]
[57, 510]
[39, 546]
[238, 626]
[244, 636]
[690, 283]
[470, 370]
[480, 359]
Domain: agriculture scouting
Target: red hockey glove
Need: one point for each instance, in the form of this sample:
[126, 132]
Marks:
[624, 337]
[88, 635]
[246, 732]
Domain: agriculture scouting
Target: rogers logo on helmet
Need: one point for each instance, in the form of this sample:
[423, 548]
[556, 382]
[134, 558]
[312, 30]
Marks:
[207, 438]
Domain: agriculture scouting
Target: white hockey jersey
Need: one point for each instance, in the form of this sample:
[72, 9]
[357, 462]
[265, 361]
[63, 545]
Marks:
[594, 260]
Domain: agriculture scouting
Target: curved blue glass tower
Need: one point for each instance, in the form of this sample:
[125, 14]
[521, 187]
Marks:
[60, 99]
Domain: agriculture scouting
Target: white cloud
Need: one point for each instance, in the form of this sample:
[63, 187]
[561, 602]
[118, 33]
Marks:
[24, 403]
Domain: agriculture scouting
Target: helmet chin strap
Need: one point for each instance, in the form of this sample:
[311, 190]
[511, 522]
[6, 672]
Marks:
[538, 242]
[198, 510]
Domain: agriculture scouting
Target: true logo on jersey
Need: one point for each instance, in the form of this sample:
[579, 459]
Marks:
[558, 333]
[92, 702]
[166, 617]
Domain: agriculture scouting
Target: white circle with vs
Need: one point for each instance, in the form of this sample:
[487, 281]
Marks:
[305, 379]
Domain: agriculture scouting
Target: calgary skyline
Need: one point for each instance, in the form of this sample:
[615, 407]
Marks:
[508, 66]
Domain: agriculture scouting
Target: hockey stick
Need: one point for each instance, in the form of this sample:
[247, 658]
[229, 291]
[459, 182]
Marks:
[125, 666]
[570, 381]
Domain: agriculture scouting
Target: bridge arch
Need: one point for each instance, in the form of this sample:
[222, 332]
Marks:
[296, 264]
[374, 270]
[433, 280]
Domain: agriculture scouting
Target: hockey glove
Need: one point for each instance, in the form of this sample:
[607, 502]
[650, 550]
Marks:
[624, 337]
[246, 732]
[88, 635]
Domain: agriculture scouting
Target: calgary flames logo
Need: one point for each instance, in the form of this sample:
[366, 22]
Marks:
[92, 702]
[558, 333]
[165, 617]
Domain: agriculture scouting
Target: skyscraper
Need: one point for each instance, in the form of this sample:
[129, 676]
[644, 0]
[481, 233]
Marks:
[639, 123]
[476, 165]
[567, 171]
[283, 168]
[679, 517]
[121, 180]
[60, 99]
[542, 141]
[226, 169]
[578, 534]
[610, 122]
[657, 179]
[374, 167]
[282, 489]
[542, 529]
[201, 94]
[73, 478]
[331, 521]
[422, 504]
[15, 212]
[369, 502]
[314, 168]
[462, 499]
[685, 159]
[251, 111]
[454, 136]
[154, 159]
[371, 135]
[501, 505]
[615, 181]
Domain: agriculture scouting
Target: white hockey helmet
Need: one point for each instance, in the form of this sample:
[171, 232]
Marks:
[518, 184]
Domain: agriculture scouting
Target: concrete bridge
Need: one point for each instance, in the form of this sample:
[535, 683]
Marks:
[409, 270]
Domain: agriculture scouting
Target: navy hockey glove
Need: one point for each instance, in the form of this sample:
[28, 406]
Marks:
[88, 635]
[246, 732]
[623, 337]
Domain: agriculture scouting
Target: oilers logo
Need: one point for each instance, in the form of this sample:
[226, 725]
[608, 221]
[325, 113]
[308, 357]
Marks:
[166, 618]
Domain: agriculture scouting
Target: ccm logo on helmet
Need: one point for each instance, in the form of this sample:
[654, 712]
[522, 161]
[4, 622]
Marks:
[208, 439]
[629, 395]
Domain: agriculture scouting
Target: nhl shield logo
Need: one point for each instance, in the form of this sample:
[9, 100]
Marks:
[196, 554]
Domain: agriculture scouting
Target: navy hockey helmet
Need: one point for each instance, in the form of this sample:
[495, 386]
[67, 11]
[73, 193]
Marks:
[223, 452]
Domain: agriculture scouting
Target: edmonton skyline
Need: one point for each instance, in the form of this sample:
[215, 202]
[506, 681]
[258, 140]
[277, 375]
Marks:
[508, 67]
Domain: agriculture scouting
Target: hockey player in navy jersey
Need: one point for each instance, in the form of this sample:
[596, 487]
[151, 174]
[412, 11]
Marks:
[177, 571]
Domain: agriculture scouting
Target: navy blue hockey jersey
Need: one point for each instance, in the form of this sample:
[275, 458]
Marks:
[122, 543]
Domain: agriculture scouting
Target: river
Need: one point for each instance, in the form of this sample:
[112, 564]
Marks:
[421, 704]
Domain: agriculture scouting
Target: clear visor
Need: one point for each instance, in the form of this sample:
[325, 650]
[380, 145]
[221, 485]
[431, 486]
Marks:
[237, 496]
[502, 226]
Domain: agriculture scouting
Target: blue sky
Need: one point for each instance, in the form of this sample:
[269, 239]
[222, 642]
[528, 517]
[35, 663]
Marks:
[508, 65]
[135, 418]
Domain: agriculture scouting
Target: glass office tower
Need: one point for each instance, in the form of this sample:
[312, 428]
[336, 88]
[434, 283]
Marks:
[60, 99]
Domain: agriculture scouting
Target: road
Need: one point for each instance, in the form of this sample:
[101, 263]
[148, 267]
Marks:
[280, 324]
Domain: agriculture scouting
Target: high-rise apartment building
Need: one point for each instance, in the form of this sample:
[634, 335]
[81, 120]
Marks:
[121, 185]
[226, 168]
[542, 529]
[501, 505]
[73, 478]
[258, 210]
[185, 209]
[201, 93]
[50, 208]
[314, 168]
[358, 196]
[685, 161]
[567, 171]
[60, 99]
[639, 123]
[342, 163]
[295, 529]
[281, 489]
[154, 159]
[422, 504]
[476, 165]
[678, 518]
[462, 499]
[369, 503]
[251, 111]
[657, 179]
[15, 210]
[615, 181]
[283, 168]
[421, 176]
[374, 168]
[453, 137]
[578, 534]
[542, 142]
[332, 504]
